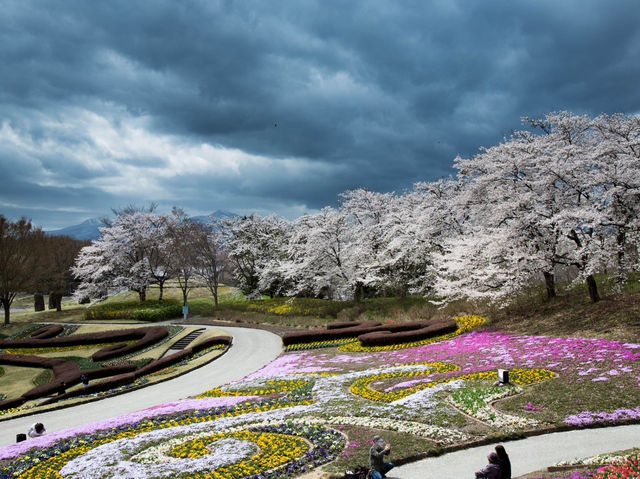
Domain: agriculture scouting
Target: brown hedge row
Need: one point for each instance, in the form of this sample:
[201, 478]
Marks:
[390, 337]
[374, 332]
[128, 378]
[47, 332]
[68, 374]
[345, 324]
[144, 336]
[328, 334]
[213, 341]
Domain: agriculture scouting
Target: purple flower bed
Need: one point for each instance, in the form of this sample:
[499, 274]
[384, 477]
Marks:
[588, 418]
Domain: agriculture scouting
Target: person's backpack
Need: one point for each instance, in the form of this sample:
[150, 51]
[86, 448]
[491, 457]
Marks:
[360, 473]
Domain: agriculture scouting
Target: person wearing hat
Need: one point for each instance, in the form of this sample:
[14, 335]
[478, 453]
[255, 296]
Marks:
[379, 468]
[491, 470]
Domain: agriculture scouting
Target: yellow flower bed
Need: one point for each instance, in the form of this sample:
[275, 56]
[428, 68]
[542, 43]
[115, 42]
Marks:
[320, 344]
[271, 387]
[283, 309]
[465, 325]
[362, 387]
[274, 451]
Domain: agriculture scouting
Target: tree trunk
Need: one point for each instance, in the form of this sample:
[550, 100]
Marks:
[550, 283]
[215, 298]
[161, 285]
[7, 312]
[593, 289]
[142, 294]
[358, 294]
[55, 301]
[38, 302]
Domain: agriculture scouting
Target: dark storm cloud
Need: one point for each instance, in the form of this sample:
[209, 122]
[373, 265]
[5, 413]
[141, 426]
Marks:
[118, 98]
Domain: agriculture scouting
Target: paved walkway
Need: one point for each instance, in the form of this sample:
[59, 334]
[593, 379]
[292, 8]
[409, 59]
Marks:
[251, 350]
[527, 455]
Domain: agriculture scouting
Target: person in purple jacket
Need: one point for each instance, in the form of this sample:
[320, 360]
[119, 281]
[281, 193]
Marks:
[491, 470]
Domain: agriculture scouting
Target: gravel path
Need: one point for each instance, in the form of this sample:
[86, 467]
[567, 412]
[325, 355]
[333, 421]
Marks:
[251, 350]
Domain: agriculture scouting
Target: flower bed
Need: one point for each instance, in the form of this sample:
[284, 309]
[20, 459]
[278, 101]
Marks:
[434, 394]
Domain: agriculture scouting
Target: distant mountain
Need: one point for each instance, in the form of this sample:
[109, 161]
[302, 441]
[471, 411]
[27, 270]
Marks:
[85, 231]
[220, 214]
[88, 230]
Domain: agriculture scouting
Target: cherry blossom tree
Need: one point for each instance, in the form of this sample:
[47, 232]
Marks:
[366, 213]
[319, 261]
[127, 256]
[255, 246]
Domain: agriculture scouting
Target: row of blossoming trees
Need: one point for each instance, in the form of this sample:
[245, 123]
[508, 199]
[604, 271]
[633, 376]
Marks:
[564, 193]
[140, 248]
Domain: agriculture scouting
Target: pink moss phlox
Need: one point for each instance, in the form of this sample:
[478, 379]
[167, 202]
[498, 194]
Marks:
[587, 418]
[291, 363]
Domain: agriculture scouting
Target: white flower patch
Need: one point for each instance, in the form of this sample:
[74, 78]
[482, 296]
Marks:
[437, 434]
[113, 459]
[424, 399]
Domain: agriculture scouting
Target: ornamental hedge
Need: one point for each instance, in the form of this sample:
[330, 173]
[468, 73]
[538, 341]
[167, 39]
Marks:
[374, 333]
[143, 337]
[326, 334]
[399, 336]
[68, 373]
[47, 332]
[153, 366]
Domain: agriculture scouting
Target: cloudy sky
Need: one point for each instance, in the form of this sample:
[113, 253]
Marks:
[108, 103]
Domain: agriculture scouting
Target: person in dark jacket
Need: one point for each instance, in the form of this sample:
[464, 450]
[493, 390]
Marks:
[491, 470]
[379, 468]
[503, 462]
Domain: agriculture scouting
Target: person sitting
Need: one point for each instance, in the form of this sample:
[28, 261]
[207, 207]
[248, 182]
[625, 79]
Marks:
[37, 430]
[491, 470]
[503, 462]
[379, 468]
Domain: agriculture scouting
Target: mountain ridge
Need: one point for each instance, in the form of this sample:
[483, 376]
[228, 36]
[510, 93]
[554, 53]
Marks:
[89, 230]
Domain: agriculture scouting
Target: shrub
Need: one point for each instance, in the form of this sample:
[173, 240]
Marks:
[47, 332]
[158, 314]
[151, 310]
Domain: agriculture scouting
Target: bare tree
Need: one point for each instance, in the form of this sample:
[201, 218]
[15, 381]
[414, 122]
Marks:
[18, 258]
[212, 259]
[183, 249]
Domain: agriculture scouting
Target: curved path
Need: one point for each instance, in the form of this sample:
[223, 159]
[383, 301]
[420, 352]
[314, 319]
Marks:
[251, 350]
[527, 455]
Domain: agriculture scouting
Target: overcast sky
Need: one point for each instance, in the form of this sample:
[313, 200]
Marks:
[108, 103]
